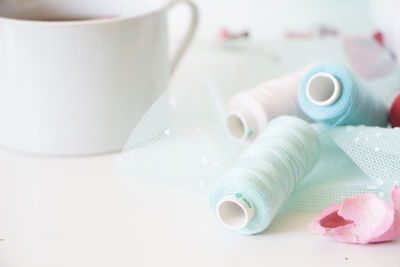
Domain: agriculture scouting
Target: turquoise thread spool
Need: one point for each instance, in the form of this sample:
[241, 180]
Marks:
[334, 96]
[247, 197]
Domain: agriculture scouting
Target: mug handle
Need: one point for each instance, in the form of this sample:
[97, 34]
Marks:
[189, 34]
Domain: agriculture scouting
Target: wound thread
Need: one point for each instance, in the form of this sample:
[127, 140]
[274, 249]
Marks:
[267, 173]
[332, 95]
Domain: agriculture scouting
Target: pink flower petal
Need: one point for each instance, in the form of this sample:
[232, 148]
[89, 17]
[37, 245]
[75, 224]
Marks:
[394, 231]
[361, 219]
[368, 57]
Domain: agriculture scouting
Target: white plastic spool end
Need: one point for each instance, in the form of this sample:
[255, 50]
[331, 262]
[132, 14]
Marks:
[235, 212]
[323, 89]
[241, 124]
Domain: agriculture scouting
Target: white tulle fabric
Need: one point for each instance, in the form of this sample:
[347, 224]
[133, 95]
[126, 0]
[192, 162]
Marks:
[182, 141]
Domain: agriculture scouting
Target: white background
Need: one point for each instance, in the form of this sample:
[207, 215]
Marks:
[82, 212]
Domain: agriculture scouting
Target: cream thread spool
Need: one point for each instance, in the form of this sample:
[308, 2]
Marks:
[250, 111]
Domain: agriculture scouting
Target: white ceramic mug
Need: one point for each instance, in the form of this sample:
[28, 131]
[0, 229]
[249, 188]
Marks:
[76, 76]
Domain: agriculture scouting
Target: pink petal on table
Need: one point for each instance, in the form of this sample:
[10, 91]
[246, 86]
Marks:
[361, 219]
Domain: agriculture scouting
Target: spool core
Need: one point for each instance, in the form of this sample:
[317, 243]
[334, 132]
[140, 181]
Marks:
[241, 124]
[236, 126]
[234, 212]
[323, 89]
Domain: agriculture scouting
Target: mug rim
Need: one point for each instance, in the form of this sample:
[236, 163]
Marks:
[149, 13]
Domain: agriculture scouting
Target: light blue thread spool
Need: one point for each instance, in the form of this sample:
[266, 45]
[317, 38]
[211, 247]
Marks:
[334, 96]
[247, 197]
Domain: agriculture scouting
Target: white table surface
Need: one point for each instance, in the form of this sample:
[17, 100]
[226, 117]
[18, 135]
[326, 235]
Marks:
[82, 212]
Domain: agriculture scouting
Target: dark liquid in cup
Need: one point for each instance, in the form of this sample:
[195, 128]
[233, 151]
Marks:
[62, 19]
[55, 19]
